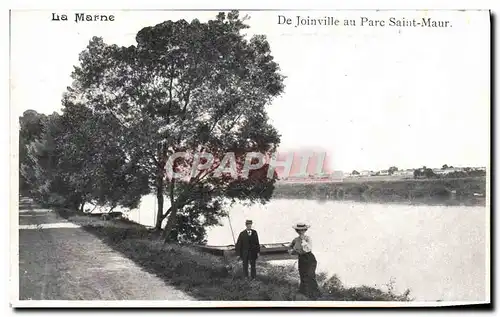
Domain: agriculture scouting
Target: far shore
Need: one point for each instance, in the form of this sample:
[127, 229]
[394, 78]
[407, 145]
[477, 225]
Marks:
[468, 191]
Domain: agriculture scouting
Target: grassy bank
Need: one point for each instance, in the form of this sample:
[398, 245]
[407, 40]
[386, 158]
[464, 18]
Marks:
[453, 191]
[207, 277]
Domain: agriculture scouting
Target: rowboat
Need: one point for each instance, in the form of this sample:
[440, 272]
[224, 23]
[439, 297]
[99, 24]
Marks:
[267, 250]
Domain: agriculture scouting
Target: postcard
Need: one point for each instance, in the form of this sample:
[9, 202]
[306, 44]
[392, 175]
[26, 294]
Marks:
[250, 158]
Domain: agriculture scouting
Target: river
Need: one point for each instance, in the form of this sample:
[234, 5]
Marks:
[438, 252]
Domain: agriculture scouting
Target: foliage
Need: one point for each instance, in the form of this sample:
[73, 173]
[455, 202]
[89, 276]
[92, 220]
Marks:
[36, 158]
[465, 173]
[184, 87]
[424, 172]
[392, 169]
[93, 161]
[187, 87]
[74, 158]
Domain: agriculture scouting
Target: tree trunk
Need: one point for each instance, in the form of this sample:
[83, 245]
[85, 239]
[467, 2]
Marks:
[161, 162]
[159, 197]
[75, 202]
[171, 220]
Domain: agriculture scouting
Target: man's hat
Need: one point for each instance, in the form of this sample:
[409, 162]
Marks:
[248, 222]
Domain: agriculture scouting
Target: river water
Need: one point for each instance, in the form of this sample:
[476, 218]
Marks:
[438, 252]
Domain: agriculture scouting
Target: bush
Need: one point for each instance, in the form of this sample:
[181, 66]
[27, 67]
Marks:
[334, 289]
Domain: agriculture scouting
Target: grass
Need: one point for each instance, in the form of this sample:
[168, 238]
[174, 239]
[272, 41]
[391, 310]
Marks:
[208, 277]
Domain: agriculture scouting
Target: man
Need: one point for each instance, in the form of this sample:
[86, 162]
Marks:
[248, 248]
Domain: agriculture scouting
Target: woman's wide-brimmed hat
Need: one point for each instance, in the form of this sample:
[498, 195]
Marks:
[300, 226]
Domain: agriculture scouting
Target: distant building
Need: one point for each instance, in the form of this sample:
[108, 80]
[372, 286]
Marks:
[404, 173]
[445, 171]
[384, 173]
[451, 170]
[439, 171]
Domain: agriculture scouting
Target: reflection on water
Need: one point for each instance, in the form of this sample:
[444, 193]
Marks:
[436, 251]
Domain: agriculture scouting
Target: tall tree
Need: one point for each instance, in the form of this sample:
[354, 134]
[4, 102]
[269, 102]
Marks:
[31, 125]
[36, 153]
[92, 164]
[191, 87]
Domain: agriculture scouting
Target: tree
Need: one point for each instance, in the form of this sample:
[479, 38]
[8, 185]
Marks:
[392, 169]
[423, 172]
[193, 88]
[417, 173]
[76, 158]
[428, 172]
[92, 165]
[355, 172]
[31, 125]
[36, 154]
[445, 166]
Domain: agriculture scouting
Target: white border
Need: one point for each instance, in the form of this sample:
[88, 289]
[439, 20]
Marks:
[257, 4]
[293, 4]
[146, 303]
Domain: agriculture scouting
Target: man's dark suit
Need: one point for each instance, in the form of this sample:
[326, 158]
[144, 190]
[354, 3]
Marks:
[248, 248]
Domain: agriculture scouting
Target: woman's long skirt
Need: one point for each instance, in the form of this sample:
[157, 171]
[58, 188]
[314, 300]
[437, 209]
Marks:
[307, 271]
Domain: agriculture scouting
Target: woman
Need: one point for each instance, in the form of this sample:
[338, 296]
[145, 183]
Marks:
[302, 246]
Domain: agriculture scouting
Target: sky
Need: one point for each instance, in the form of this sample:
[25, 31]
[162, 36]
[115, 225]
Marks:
[370, 97]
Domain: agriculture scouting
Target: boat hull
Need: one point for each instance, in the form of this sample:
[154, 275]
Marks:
[271, 250]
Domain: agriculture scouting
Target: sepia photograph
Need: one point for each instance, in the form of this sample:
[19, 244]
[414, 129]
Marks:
[250, 158]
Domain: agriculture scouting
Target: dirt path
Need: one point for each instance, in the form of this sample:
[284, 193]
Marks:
[59, 261]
